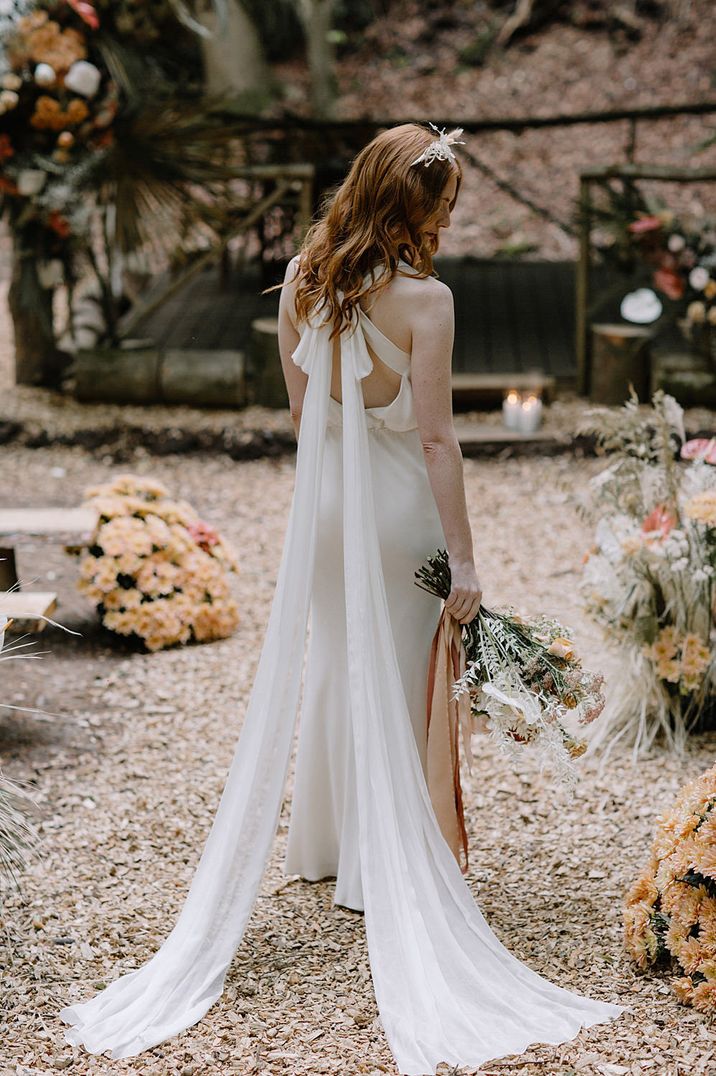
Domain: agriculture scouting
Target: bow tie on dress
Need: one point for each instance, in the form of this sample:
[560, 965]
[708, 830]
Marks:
[314, 343]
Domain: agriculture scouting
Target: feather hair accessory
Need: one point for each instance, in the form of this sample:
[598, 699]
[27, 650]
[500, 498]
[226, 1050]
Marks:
[439, 149]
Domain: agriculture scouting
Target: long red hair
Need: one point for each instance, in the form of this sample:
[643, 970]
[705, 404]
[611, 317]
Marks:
[373, 218]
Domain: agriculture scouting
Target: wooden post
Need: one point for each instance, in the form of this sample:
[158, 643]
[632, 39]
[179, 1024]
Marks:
[621, 356]
[582, 286]
[8, 568]
[38, 360]
[269, 387]
[305, 206]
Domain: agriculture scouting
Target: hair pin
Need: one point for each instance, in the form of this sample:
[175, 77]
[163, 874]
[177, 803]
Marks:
[439, 148]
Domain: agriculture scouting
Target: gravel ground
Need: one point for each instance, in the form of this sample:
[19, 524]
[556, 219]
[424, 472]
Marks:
[128, 773]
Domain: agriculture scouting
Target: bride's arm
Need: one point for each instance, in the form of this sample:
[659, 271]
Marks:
[288, 338]
[433, 328]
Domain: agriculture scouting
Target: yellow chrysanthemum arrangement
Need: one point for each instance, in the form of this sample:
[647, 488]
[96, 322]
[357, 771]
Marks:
[670, 911]
[679, 657]
[154, 569]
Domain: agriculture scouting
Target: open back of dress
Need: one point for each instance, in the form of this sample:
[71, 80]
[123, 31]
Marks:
[447, 989]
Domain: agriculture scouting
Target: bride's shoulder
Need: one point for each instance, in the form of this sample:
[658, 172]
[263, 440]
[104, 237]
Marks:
[420, 293]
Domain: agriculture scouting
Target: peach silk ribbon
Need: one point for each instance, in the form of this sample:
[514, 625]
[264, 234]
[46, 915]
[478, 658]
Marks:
[448, 717]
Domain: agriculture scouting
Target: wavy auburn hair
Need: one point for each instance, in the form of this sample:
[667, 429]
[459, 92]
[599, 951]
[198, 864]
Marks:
[373, 218]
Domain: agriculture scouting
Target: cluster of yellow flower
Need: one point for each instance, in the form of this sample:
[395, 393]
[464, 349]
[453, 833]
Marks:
[154, 569]
[679, 658]
[50, 115]
[670, 911]
[702, 507]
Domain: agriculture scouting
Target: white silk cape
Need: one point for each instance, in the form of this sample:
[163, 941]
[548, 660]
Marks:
[447, 989]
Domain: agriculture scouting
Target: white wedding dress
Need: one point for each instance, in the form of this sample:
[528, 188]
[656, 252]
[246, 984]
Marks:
[361, 522]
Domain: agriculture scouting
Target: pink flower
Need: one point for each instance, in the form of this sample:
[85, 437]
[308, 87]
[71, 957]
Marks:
[659, 522]
[645, 224]
[699, 448]
[86, 12]
[203, 533]
[670, 282]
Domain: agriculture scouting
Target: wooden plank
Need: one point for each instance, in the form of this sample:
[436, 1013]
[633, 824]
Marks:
[516, 378]
[58, 523]
[189, 272]
[489, 385]
[528, 299]
[508, 315]
[26, 609]
[471, 434]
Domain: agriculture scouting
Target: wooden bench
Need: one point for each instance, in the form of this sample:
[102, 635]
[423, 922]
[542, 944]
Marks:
[490, 387]
[26, 609]
[70, 527]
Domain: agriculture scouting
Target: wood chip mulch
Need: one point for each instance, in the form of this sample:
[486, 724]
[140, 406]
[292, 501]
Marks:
[128, 772]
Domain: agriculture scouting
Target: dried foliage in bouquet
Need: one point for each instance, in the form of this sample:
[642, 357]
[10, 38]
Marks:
[523, 677]
[670, 910]
[648, 579]
[154, 569]
[17, 836]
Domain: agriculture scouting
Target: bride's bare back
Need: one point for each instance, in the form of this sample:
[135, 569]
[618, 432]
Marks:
[397, 311]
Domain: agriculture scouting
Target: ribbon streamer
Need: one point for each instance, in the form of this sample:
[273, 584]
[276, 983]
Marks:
[447, 717]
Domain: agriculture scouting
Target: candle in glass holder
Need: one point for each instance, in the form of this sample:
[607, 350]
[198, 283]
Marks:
[530, 414]
[511, 407]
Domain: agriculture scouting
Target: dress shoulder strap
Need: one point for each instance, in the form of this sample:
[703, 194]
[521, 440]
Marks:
[388, 352]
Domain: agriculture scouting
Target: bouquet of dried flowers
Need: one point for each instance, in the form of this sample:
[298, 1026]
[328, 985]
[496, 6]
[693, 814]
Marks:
[154, 569]
[648, 578]
[523, 676]
[670, 910]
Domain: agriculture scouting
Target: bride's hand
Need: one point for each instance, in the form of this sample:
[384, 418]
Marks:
[465, 595]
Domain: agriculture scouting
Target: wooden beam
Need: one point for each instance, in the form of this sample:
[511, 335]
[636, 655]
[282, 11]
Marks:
[665, 172]
[291, 122]
[61, 524]
[581, 342]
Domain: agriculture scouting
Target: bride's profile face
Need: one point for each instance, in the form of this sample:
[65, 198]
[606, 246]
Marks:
[441, 217]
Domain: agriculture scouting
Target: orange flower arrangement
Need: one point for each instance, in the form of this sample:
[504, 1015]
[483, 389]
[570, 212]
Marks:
[49, 114]
[154, 569]
[6, 147]
[670, 910]
[46, 42]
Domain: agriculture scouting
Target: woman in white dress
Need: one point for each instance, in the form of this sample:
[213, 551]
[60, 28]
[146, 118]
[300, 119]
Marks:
[366, 338]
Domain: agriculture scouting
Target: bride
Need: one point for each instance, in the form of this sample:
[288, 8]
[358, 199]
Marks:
[365, 334]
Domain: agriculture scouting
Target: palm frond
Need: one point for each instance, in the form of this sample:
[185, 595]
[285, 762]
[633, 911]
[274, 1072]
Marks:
[170, 159]
[17, 835]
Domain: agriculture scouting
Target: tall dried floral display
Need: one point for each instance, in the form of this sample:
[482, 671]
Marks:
[670, 910]
[154, 569]
[648, 578]
[17, 836]
[107, 147]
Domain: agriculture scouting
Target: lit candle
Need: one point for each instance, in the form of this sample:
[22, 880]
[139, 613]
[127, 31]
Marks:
[530, 414]
[511, 408]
